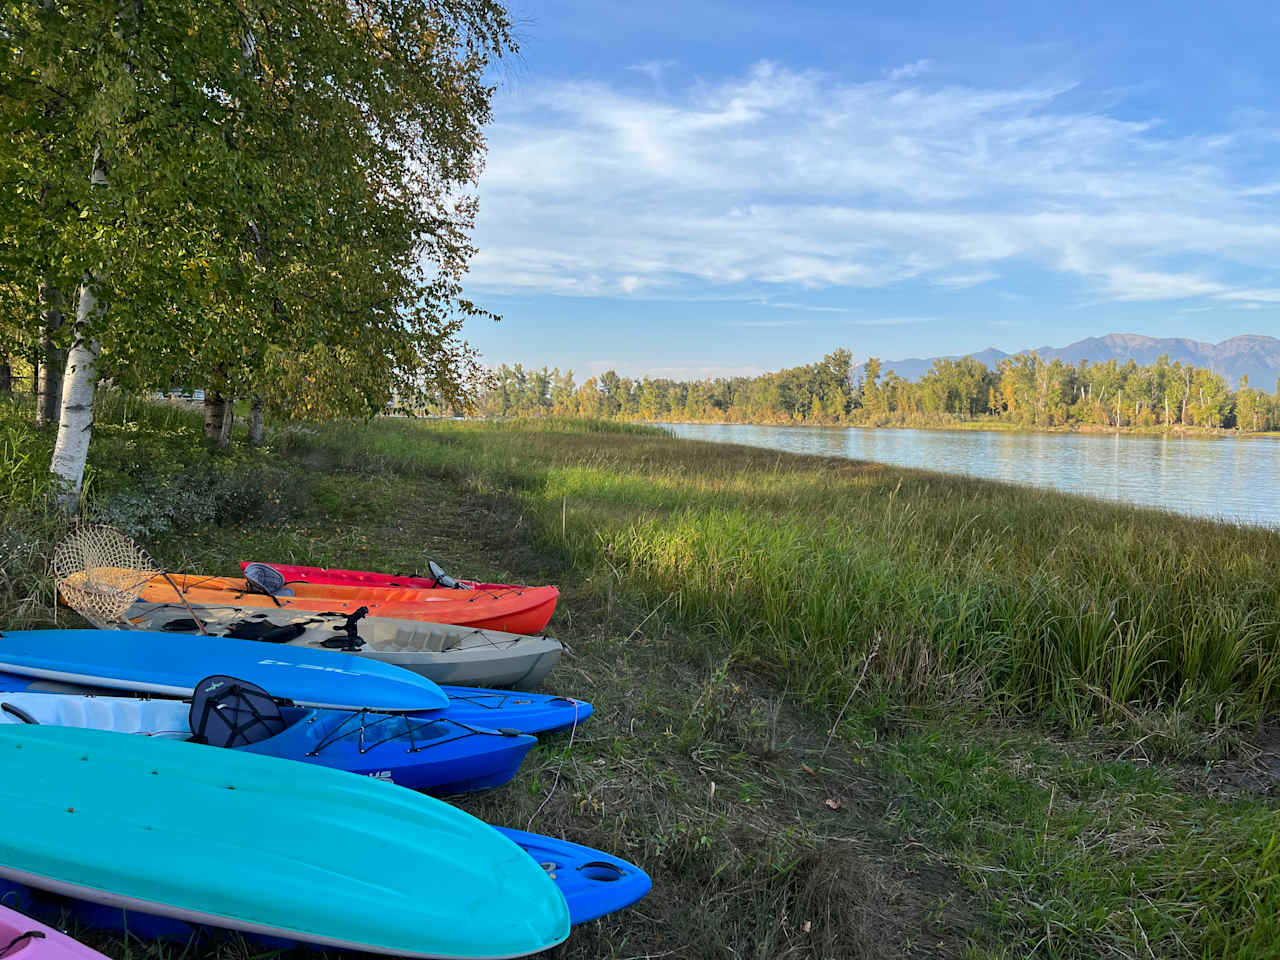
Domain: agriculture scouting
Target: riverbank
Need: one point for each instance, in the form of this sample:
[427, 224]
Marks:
[987, 426]
[842, 709]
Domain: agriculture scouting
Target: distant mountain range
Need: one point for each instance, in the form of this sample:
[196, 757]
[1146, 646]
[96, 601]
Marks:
[1253, 355]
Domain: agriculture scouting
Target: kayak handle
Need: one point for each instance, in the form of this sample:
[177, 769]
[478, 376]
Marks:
[25, 717]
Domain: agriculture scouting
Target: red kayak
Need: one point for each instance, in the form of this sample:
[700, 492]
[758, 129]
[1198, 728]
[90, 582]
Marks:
[363, 578]
[502, 606]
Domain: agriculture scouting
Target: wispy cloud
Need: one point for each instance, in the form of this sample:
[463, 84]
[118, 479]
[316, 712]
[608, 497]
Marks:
[1270, 296]
[763, 323]
[653, 69]
[964, 280]
[788, 181]
[909, 71]
[893, 321]
[806, 307]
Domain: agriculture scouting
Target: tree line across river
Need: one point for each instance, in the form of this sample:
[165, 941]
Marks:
[1024, 390]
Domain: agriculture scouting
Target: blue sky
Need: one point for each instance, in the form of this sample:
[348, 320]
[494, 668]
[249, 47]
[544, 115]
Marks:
[698, 189]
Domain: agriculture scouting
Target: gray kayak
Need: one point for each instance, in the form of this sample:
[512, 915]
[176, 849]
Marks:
[461, 656]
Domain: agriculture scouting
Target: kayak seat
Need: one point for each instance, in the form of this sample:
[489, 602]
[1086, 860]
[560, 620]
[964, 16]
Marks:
[426, 641]
[226, 712]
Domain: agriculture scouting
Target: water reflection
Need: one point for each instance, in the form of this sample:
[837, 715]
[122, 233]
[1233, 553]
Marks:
[1224, 478]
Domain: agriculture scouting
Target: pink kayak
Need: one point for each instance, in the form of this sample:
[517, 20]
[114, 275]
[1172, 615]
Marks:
[22, 938]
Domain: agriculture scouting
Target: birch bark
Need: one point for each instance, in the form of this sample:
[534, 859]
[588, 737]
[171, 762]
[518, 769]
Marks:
[79, 382]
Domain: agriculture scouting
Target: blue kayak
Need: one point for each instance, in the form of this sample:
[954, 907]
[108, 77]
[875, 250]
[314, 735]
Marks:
[143, 661]
[437, 755]
[593, 883]
[475, 706]
[514, 710]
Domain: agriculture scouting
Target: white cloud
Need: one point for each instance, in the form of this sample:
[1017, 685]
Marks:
[1270, 296]
[783, 181]
[909, 71]
[806, 307]
[653, 69]
[763, 323]
[893, 321]
[965, 280]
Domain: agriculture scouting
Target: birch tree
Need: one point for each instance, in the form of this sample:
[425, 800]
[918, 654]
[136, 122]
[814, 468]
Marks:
[278, 186]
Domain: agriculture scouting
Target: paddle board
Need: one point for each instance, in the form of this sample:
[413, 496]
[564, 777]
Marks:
[149, 662]
[221, 837]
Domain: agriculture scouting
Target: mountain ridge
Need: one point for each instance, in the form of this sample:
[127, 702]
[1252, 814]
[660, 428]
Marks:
[1252, 354]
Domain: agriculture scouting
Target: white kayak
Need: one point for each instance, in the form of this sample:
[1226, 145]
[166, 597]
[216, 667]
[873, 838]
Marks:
[461, 656]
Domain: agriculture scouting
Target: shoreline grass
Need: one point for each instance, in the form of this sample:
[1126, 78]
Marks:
[843, 710]
[1030, 602]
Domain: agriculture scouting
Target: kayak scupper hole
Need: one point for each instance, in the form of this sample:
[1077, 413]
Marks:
[601, 872]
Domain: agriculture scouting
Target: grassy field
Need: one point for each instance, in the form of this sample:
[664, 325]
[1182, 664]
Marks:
[843, 710]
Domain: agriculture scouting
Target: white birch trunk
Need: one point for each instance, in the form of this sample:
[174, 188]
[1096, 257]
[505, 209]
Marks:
[228, 421]
[76, 422]
[79, 380]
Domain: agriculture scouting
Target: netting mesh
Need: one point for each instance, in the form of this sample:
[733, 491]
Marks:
[100, 572]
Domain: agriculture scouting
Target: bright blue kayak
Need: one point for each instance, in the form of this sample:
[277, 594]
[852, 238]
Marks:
[147, 662]
[229, 839]
[514, 710]
[435, 755]
[593, 883]
[474, 706]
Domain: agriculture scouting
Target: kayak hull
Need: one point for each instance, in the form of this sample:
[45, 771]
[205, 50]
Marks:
[495, 709]
[44, 943]
[441, 652]
[150, 662]
[593, 883]
[523, 610]
[435, 755]
[514, 710]
[335, 576]
[225, 838]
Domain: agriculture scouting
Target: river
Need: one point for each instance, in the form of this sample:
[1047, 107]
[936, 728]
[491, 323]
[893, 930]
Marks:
[1219, 477]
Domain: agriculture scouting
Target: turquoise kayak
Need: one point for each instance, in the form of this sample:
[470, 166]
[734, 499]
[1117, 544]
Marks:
[237, 840]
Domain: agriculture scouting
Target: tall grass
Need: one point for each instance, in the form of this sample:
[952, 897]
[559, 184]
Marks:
[707, 588]
[919, 586]
[149, 471]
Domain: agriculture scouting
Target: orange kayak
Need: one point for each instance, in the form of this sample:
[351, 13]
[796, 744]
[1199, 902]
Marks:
[511, 609]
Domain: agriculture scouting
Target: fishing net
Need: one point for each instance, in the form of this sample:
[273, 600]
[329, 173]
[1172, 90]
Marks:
[100, 573]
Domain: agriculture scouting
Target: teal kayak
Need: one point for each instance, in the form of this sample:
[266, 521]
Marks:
[241, 841]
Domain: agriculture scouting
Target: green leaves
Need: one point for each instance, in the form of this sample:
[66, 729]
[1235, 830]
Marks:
[287, 186]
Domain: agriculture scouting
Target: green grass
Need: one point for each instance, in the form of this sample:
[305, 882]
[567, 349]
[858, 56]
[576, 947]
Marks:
[843, 710]
[1022, 602]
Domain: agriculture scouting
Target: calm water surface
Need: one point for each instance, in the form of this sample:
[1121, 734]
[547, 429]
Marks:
[1223, 478]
